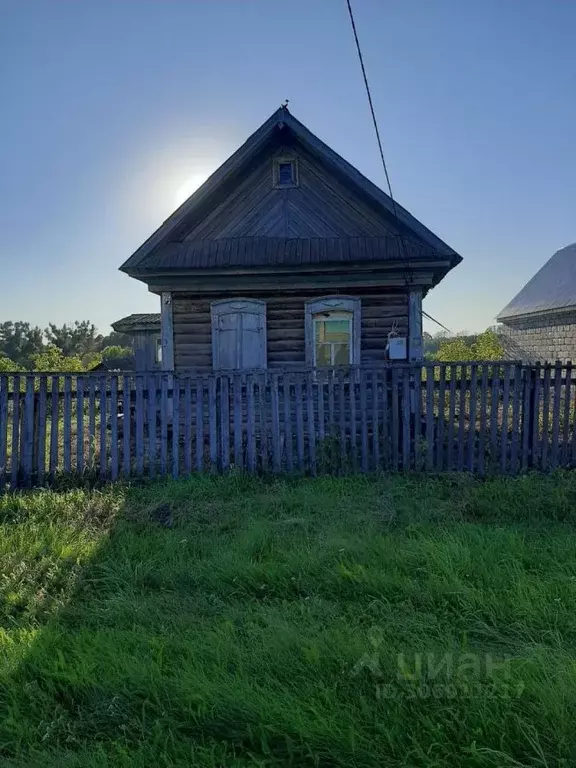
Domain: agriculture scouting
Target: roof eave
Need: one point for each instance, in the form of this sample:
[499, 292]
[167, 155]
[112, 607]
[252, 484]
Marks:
[502, 318]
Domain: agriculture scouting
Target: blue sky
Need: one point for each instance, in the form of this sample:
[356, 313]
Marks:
[109, 107]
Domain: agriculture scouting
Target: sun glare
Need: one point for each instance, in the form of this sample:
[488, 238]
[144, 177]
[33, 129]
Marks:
[190, 185]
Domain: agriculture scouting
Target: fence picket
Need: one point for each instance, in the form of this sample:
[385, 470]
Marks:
[15, 454]
[535, 415]
[263, 421]
[91, 421]
[406, 442]
[526, 413]
[504, 428]
[395, 419]
[288, 435]
[126, 422]
[80, 424]
[364, 457]
[3, 429]
[28, 431]
[342, 415]
[55, 404]
[482, 420]
[515, 419]
[41, 434]
[276, 442]
[451, 419]
[250, 424]
[441, 448]
[188, 425]
[199, 424]
[331, 454]
[175, 413]
[556, 414]
[472, 422]
[103, 431]
[164, 414]
[545, 415]
[566, 416]
[310, 423]
[67, 425]
[299, 424]
[494, 414]
[140, 425]
[321, 387]
[375, 419]
[384, 428]
[430, 369]
[113, 427]
[224, 422]
[238, 454]
[417, 399]
[462, 418]
[213, 424]
[353, 415]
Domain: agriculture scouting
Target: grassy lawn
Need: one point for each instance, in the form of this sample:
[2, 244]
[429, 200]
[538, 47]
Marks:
[398, 621]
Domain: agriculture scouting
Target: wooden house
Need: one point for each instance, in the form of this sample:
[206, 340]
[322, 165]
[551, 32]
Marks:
[288, 257]
[144, 333]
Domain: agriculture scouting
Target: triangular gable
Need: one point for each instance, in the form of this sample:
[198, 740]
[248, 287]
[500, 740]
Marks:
[287, 215]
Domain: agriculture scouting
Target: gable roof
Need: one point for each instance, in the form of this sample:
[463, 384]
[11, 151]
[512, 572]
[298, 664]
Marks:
[137, 322]
[165, 248]
[552, 289]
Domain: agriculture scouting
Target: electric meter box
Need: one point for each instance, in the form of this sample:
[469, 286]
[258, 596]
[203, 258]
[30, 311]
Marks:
[397, 348]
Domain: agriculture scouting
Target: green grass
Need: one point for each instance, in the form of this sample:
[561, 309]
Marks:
[238, 622]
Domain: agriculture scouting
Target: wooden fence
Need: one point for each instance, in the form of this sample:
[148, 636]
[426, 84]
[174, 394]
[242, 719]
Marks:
[476, 417]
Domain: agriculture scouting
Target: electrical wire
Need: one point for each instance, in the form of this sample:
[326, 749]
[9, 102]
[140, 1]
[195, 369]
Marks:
[409, 275]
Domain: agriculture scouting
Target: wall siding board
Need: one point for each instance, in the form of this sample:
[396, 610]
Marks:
[285, 327]
[320, 206]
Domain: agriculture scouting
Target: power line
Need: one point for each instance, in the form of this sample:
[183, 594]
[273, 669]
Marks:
[409, 276]
[435, 321]
[379, 140]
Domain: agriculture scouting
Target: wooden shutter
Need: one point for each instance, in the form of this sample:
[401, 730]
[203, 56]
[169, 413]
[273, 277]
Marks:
[238, 334]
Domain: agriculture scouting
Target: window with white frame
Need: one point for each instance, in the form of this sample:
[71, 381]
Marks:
[332, 338]
[332, 330]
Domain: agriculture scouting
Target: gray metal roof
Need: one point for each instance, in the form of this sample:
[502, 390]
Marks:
[279, 251]
[138, 322]
[552, 289]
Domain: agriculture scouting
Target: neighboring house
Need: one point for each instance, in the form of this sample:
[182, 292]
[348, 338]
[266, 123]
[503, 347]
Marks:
[541, 318]
[288, 257]
[114, 364]
[144, 329]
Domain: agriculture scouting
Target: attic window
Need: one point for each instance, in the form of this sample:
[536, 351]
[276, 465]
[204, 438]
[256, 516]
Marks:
[285, 172]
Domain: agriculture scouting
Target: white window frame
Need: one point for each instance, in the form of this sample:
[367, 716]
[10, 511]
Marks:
[240, 305]
[328, 304]
[276, 172]
[158, 350]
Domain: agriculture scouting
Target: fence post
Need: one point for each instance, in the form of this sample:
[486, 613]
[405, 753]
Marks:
[530, 416]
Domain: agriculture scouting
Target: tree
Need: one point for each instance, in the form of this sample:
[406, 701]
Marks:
[488, 346]
[115, 351]
[484, 346]
[8, 366]
[79, 338]
[114, 339]
[20, 341]
[454, 349]
[52, 359]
